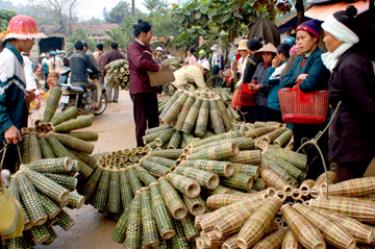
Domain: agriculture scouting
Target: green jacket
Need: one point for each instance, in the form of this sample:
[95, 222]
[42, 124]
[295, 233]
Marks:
[314, 67]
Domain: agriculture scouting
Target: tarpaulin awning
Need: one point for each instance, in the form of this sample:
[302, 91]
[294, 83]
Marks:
[321, 12]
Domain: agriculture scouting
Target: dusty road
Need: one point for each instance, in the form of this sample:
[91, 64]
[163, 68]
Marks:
[92, 230]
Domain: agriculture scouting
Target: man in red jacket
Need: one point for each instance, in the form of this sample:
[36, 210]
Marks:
[144, 97]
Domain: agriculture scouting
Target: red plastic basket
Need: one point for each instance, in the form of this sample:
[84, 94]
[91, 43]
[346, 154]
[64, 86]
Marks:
[298, 107]
[243, 96]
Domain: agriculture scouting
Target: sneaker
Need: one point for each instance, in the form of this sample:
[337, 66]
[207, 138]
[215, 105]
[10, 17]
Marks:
[115, 101]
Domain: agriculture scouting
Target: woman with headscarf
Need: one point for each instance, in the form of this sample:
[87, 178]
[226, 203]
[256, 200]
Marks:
[308, 70]
[352, 137]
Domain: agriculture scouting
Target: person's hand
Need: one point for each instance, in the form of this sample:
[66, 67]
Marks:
[252, 86]
[276, 62]
[29, 96]
[257, 87]
[302, 77]
[12, 135]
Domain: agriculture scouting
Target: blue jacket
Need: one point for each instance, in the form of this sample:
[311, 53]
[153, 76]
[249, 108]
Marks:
[314, 67]
[274, 85]
[13, 107]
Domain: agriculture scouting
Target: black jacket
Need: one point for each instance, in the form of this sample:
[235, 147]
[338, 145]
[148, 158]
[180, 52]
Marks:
[251, 66]
[352, 136]
[79, 63]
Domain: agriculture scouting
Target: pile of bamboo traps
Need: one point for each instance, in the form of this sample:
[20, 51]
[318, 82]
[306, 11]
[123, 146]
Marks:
[54, 136]
[222, 164]
[117, 73]
[343, 220]
[197, 112]
[267, 133]
[119, 175]
[167, 137]
[224, 93]
[43, 188]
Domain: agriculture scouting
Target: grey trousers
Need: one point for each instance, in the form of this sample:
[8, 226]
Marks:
[115, 90]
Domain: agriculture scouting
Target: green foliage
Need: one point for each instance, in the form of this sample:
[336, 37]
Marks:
[5, 16]
[160, 16]
[118, 13]
[155, 6]
[222, 19]
[76, 35]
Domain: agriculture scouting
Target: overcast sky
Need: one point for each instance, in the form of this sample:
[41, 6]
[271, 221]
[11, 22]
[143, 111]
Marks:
[94, 8]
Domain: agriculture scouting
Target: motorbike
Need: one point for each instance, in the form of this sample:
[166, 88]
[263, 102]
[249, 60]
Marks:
[81, 97]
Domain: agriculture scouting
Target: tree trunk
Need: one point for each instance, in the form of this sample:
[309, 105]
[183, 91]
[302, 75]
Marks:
[133, 7]
[300, 12]
[372, 7]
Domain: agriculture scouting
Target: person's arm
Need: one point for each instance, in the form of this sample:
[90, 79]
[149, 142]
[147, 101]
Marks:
[355, 79]
[199, 79]
[142, 60]
[11, 134]
[318, 75]
[290, 77]
[271, 82]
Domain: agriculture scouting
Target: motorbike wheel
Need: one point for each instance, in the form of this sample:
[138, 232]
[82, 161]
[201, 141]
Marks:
[102, 104]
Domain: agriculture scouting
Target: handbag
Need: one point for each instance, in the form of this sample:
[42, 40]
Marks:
[161, 77]
[11, 216]
[247, 95]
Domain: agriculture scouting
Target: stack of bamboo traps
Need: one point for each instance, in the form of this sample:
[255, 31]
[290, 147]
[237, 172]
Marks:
[225, 163]
[233, 157]
[224, 93]
[226, 96]
[197, 112]
[114, 181]
[43, 188]
[117, 73]
[55, 136]
[267, 133]
[119, 175]
[344, 220]
[167, 137]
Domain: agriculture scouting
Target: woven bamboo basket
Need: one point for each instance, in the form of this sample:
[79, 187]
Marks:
[302, 229]
[290, 241]
[232, 223]
[172, 200]
[333, 233]
[272, 241]
[257, 225]
[362, 233]
[160, 214]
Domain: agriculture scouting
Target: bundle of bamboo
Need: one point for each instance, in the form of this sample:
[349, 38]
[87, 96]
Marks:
[267, 133]
[246, 221]
[43, 188]
[117, 73]
[54, 136]
[197, 112]
[116, 180]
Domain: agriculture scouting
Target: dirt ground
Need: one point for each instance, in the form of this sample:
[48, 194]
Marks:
[92, 230]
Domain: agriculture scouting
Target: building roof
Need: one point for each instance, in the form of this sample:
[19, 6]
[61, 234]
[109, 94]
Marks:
[92, 29]
[322, 11]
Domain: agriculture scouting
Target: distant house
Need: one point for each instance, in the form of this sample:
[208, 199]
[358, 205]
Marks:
[96, 31]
